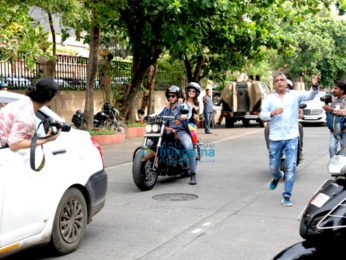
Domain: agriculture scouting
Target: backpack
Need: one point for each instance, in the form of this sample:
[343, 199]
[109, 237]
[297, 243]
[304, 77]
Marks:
[332, 119]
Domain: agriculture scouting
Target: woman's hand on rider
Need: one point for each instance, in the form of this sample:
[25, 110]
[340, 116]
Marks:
[183, 117]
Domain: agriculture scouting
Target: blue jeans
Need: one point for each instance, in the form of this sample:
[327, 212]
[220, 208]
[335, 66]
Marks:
[276, 149]
[189, 152]
[333, 146]
[207, 121]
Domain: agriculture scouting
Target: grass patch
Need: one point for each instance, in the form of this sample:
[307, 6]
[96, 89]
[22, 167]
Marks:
[137, 125]
[102, 132]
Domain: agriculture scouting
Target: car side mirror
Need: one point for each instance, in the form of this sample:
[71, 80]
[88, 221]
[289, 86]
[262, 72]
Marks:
[302, 106]
[184, 111]
[141, 112]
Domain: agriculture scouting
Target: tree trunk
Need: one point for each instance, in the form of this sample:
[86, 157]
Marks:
[91, 72]
[105, 78]
[51, 64]
[151, 105]
[149, 88]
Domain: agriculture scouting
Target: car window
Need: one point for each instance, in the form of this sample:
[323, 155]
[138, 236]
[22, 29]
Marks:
[39, 126]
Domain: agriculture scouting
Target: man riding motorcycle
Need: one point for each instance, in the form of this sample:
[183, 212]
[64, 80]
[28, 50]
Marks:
[173, 94]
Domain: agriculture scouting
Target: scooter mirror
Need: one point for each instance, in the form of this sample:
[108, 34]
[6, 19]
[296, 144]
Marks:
[140, 112]
[302, 106]
[337, 134]
[343, 170]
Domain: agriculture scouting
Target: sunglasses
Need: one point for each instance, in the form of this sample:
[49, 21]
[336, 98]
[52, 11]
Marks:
[192, 90]
[172, 96]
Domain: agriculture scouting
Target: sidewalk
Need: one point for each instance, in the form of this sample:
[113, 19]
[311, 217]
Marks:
[122, 153]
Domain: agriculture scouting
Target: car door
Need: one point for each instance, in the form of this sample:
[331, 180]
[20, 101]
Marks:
[25, 195]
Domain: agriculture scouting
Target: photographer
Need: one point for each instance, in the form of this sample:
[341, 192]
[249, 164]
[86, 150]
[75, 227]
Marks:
[337, 107]
[17, 119]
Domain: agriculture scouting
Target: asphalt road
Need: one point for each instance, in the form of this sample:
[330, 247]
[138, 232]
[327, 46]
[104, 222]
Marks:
[232, 213]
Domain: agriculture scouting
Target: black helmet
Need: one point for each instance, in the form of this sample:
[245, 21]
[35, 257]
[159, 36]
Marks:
[174, 90]
[107, 106]
[195, 86]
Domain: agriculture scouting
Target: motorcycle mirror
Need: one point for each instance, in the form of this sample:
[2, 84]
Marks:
[140, 111]
[337, 134]
[302, 106]
[184, 111]
[343, 170]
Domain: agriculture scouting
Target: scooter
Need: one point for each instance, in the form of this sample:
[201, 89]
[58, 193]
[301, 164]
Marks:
[161, 154]
[106, 118]
[323, 220]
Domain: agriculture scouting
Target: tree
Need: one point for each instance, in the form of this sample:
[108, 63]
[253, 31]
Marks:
[20, 36]
[319, 46]
[239, 34]
[66, 11]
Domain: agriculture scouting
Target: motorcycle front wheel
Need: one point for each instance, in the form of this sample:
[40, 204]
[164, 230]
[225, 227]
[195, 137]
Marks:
[143, 175]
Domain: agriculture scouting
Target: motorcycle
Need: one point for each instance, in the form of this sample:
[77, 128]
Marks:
[161, 154]
[323, 220]
[283, 157]
[106, 118]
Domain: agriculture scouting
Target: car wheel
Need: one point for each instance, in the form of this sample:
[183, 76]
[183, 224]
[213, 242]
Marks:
[229, 121]
[70, 222]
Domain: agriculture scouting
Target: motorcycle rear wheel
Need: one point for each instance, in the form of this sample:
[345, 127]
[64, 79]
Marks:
[143, 178]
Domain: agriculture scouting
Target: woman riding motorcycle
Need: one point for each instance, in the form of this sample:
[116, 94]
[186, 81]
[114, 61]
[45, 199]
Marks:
[192, 92]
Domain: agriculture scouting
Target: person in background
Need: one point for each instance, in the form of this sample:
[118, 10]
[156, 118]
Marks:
[207, 110]
[281, 109]
[17, 119]
[3, 86]
[337, 107]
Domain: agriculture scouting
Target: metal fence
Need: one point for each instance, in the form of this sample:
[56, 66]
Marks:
[70, 73]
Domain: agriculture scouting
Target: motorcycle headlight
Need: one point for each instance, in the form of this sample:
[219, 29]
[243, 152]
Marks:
[155, 128]
[148, 128]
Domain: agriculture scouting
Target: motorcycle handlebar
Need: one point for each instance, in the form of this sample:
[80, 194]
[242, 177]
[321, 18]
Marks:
[155, 117]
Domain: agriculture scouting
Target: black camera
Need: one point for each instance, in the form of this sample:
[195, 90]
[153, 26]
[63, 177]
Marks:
[326, 99]
[55, 125]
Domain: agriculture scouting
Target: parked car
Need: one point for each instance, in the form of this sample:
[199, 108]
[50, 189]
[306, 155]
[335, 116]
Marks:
[314, 113]
[17, 81]
[53, 205]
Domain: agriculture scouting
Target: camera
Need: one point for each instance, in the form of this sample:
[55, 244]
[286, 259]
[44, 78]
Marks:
[326, 99]
[55, 125]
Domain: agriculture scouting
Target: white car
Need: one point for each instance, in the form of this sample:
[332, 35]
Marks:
[53, 205]
[313, 112]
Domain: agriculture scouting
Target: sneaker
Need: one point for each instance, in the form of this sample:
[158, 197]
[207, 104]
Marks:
[274, 183]
[286, 202]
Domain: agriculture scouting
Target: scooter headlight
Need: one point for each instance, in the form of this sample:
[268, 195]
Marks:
[155, 128]
[148, 128]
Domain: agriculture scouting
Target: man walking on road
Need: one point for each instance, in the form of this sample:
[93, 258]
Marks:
[207, 110]
[281, 109]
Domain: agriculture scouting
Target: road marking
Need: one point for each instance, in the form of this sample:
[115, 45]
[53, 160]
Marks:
[196, 231]
[237, 136]
[206, 224]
